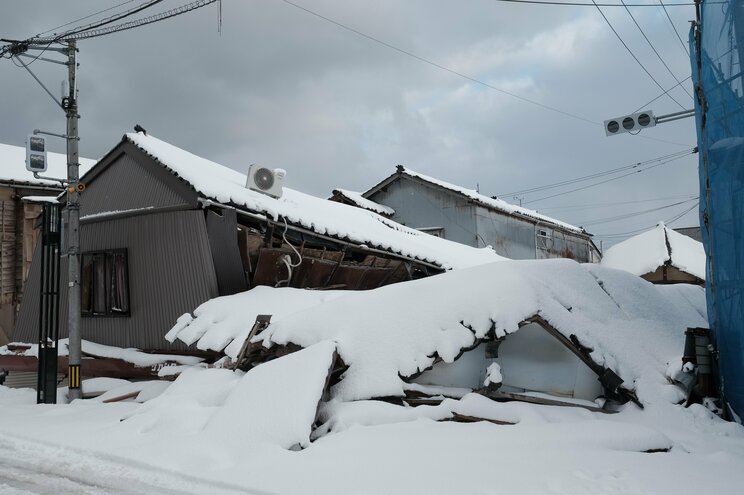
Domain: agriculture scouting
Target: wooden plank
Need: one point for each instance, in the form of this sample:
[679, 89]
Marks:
[119, 398]
[506, 396]
[462, 418]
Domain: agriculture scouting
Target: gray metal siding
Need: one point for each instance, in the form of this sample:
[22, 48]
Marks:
[223, 239]
[418, 206]
[128, 183]
[509, 236]
[170, 273]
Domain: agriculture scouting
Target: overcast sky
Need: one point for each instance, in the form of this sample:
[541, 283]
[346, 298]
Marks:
[285, 88]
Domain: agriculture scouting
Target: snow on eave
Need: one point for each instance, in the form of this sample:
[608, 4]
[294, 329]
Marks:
[226, 187]
[493, 204]
[357, 199]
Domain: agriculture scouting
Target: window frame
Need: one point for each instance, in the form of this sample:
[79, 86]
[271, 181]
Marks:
[109, 284]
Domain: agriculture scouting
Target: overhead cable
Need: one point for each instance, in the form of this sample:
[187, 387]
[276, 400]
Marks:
[439, 66]
[684, 46]
[634, 56]
[606, 180]
[674, 76]
[599, 174]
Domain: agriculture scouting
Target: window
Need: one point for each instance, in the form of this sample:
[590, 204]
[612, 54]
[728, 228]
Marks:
[105, 283]
[544, 239]
[435, 231]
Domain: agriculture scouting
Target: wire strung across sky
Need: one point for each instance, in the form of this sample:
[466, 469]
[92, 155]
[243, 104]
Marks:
[625, 216]
[586, 4]
[670, 220]
[596, 175]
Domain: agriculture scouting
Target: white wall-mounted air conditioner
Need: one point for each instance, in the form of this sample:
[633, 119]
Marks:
[265, 180]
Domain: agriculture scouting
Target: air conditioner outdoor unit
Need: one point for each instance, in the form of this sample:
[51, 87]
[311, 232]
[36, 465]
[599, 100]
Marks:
[265, 180]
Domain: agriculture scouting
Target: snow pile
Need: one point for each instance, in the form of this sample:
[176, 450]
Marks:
[275, 403]
[493, 203]
[13, 169]
[633, 327]
[644, 253]
[224, 185]
[362, 202]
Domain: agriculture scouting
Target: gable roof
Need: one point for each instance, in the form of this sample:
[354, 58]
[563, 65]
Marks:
[225, 186]
[493, 204]
[644, 253]
[356, 199]
[13, 168]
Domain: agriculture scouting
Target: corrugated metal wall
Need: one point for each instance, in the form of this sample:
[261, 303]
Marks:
[128, 183]
[170, 273]
[418, 205]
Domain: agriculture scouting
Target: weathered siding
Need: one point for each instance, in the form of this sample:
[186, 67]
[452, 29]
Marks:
[170, 273]
[418, 205]
[509, 236]
[129, 182]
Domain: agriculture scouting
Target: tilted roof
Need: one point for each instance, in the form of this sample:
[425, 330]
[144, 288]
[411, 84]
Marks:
[226, 186]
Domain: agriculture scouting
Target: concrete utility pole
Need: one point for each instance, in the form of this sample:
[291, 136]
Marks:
[74, 189]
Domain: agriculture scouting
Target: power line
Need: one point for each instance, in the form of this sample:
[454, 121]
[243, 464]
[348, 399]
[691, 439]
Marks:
[664, 93]
[83, 18]
[604, 181]
[143, 21]
[684, 47]
[654, 48]
[625, 216]
[634, 56]
[596, 175]
[442, 67]
[587, 206]
[669, 220]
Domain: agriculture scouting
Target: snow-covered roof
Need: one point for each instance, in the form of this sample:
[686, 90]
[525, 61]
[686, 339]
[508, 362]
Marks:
[644, 253]
[227, 186]
[634, 327]
[13, 167]
[488, 202]
[357, 199]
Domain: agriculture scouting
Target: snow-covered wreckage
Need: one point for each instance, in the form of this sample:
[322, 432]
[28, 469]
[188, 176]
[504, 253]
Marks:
[550, 331]
[163, 230]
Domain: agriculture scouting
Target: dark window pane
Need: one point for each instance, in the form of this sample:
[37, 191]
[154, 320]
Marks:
[86, 284]
[119, 284]
[99, 283]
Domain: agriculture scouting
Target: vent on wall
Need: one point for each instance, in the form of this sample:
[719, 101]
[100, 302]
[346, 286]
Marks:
[265, 180]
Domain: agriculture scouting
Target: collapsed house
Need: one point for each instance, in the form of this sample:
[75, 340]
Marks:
[661, 256]
[550, 331]
[163, 230]
[466, 216]
[21, 195]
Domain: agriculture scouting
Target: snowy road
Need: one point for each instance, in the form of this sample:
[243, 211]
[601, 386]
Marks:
[28, 467]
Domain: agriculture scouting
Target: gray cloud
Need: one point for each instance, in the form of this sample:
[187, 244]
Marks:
[287, 89]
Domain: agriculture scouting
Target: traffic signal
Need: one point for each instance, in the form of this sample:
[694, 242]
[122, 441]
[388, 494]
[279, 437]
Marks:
[630, 123]
[36, 154]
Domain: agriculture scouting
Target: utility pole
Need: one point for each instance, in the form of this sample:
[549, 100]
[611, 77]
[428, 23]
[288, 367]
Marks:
[73, 227]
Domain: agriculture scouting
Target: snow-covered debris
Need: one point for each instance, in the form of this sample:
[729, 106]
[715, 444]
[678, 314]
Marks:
[493, 375]
[646, 252]
[277, 402]
[13, 167]
[489, 202]
[357, 199]
[130, 355]
[227, 186]
[632, 326]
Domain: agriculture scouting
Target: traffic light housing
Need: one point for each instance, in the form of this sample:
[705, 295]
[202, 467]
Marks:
[630, 123]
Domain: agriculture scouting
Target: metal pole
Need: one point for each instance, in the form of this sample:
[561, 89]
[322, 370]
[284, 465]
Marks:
[73, 231]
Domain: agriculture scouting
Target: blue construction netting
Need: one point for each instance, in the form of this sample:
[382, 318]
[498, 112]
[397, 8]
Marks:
[717, 61]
